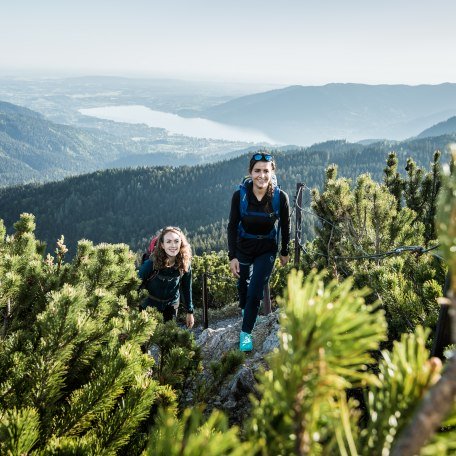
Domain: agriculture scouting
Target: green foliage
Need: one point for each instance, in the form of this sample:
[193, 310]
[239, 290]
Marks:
[19, 431]
[220, 282]
[178, 356]
[325, 338]
[73, 378]
[189, 436]
[220, 371]
[227, 365]
[279, 278]
[369, 219]
[407, 287]
[393, 179]
[405, 375]
[446, 219]
[360, 221]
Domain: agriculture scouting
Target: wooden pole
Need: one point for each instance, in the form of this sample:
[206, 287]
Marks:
[442, 336]
[205, 302]
[298, 227]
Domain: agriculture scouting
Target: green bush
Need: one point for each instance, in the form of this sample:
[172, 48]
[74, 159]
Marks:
[73, 379]
[221, 284]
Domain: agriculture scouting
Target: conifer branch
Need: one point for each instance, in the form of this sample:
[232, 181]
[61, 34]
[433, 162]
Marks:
[434, 408]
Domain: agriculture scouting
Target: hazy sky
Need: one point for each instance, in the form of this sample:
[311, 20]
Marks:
[271, 41]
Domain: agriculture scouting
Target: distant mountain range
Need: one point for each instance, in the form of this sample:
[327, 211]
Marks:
[305, 115]
[35, 149]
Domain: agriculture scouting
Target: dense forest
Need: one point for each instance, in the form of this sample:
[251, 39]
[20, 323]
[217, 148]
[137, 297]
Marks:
[129, 205]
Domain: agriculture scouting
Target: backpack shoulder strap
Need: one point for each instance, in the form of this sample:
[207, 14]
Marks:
[276, 209]
[154, 272]
[243, 200]
[151, 276]
[276, 201]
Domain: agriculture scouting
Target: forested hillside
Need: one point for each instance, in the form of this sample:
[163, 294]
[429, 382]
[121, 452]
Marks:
[130, 205]
[34, 149]
[442, 128]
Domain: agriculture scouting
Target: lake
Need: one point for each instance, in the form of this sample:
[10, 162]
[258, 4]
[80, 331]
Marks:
[194, 127]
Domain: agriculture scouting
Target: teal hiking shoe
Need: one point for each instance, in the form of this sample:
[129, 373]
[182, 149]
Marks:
[245, 342]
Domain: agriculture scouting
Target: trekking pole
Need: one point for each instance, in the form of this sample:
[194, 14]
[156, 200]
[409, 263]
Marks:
[205, 302]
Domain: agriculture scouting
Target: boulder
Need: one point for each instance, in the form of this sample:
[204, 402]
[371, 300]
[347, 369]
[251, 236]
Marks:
[232, 395]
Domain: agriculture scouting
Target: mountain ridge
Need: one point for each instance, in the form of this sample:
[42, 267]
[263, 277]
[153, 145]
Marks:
[442, 128]
[308, 114]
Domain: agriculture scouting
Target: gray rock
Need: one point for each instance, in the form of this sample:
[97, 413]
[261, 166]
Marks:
[233, 394]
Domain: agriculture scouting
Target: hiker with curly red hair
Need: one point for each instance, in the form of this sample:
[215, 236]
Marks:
[167, 273]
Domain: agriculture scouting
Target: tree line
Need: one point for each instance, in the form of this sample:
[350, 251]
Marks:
[130, 205]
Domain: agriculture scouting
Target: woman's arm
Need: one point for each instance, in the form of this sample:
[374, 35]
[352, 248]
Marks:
[233, 223]
[186, 284]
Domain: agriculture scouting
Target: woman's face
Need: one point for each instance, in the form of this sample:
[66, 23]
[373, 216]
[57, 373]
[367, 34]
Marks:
[261, 174]
[171, 244]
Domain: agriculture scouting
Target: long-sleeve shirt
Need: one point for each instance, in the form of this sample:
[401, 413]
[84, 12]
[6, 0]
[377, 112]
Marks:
[252, 247]
[163, 287]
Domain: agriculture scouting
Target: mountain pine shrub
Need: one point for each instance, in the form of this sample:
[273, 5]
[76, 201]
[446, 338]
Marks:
[73, 378]
[367, 219]
[192, 435]
[178, 358]
[330, 343]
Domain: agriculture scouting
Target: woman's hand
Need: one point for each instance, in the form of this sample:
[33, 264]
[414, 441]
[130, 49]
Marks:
[190, 320]
[234, 267]
[284, 259]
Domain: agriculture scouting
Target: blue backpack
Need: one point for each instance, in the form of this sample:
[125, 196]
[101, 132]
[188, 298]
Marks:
[275, 214]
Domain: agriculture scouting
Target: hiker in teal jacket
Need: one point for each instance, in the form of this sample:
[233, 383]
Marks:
[167, 273]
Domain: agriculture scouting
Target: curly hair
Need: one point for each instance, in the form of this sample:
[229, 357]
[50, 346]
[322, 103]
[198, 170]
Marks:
[183, 258]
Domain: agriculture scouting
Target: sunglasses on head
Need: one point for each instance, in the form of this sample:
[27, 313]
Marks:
[262, 157]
